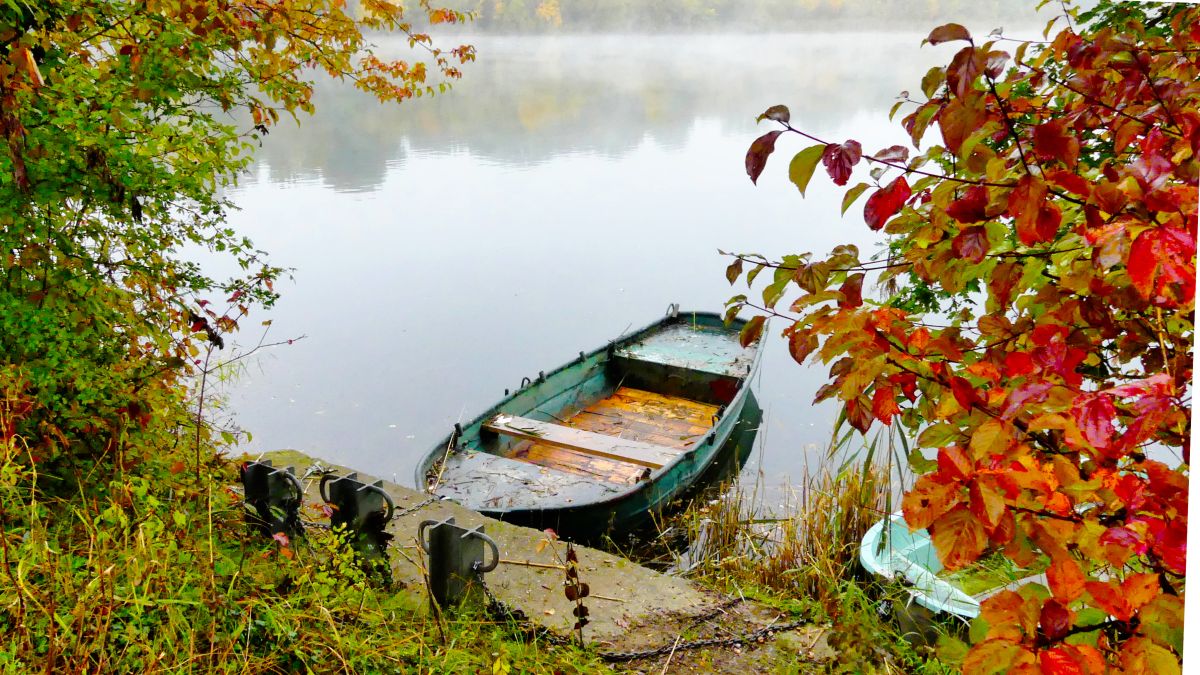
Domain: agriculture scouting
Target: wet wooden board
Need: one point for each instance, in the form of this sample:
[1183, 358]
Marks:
[651, 407]
[569, 461]
[672, 423]
[579, 440]
[674, 434]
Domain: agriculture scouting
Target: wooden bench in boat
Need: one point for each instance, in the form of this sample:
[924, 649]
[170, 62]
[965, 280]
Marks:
[586, 442]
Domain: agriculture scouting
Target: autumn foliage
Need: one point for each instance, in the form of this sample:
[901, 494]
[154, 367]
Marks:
[1035, 332]
[122, 124]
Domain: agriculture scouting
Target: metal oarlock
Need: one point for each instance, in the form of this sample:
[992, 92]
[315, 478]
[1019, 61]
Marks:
[274, 495]
[456, 558]
[362, 509]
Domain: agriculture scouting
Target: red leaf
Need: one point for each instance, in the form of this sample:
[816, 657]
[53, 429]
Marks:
[851, 291]
[953, 464]
[964, 393]
[1094, 414]
[1125, 538]
[995, 63]
[1055, 619]
[971, 243]
[947, 33]
[1053, 140]
[1025, 204]
[801, 343]
[1162, 265]
[971, 207]
[964, 69]
[840, 158]
[907, 383]
[1017, 364]
[1071, 182]
[756, 156]
[896, 153]
[858, 415]
[883, 404]
[886, 202]
[1171, 545]
[1048, 220]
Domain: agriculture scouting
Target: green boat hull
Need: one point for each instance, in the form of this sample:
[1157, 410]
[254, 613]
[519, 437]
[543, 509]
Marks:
[692, 356]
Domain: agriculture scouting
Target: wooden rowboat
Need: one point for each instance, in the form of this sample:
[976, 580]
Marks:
[597, 445]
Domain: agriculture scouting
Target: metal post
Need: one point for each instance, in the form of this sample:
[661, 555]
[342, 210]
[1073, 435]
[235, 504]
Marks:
[455, 557]
[275, 496]
[363, 511]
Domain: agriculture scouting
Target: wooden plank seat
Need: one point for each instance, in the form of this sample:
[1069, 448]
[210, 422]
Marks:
[581, 441]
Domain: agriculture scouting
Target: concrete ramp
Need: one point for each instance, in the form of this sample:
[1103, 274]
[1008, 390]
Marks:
[632, 608]
[624, 594]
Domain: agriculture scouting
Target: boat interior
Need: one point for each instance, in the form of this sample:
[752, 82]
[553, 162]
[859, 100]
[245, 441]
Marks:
[611, 419]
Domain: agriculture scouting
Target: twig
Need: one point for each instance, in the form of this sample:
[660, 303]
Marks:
[528, 563]
[672, 654]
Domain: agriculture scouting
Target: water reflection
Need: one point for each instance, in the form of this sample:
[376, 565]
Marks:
[528, 100]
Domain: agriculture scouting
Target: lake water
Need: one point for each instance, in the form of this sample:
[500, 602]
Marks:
[567, 190]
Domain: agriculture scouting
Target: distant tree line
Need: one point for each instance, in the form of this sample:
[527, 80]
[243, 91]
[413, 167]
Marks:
[551, 16]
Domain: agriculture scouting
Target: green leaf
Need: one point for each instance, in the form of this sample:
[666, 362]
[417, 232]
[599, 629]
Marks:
[750, 276]
[951, 649]
[851, 195]
[978, 630]
[919, 463]
[801, 169]
[938, 435]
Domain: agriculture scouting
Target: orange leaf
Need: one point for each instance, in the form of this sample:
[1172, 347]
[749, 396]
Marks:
[959, 538]
[1066, 579]
[883, 404]
[1025, 205]
[1108, 597]
[23, 58]
[927, 501]
[995, 655]
[1058, 662]
[986, 503]
[1140, 589]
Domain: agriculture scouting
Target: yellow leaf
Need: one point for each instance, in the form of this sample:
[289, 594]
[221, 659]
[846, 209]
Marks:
[991, 438]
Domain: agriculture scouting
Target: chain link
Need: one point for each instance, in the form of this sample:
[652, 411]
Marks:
[503, 612]
[753, 636]
[415, 507]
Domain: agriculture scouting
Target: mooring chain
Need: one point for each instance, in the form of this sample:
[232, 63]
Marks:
[502, 611]
[415, 507]
[751, 637]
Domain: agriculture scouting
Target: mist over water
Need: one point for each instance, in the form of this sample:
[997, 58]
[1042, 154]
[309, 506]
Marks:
[565, 192]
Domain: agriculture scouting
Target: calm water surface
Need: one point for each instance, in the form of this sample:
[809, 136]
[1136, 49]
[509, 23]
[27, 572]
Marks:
[566, 191]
